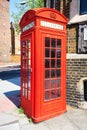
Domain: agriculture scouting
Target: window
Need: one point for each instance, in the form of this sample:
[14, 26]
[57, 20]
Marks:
[49, 3]
[26, 68]
[52, 3]
[82, 41]
[85, 90]
[83, 6]
[52, 82]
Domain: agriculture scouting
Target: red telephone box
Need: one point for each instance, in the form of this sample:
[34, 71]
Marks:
[43, 63]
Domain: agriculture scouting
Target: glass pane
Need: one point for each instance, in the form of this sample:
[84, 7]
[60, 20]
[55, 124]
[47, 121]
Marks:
[26, 93]
[58, 93]
[29, 73]
[26, 54]
[59, 43]
[53, 83]
[29, 63]
[23, 44]
[47, 63]
[47, 74]
[47, 84]
[52, 73]
[53, 42]
[83, 6]
[28, 43]
[52, 63]
[53, 94]
[57, 73]
[58, 83]
[53, 53]
[28, 85]
[47, 53]
[29, 54]
[58, 53]
[58, 63]
[47, 95]
[29, 94]
[22, 91]
[47, 42]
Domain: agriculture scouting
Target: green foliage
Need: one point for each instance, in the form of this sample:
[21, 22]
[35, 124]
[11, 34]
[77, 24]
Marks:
[21, 111]
[30, 120]
[21, 9]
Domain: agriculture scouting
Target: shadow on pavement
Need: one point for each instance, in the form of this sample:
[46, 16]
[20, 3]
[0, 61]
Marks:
[15, 80]
[4, 75]
[11, 74]
[14, 96]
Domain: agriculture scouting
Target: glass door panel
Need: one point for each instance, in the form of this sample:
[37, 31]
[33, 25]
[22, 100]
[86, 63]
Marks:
[26, 68]
[52, 71]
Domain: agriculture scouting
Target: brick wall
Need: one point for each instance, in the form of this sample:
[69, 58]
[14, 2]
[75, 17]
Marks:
[76, 70]
[5, 37]
[72, 38]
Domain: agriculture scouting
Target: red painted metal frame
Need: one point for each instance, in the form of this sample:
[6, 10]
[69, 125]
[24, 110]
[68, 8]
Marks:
[37, 107]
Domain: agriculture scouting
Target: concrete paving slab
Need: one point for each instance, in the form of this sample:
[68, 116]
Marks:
[6, 118]
[31, 126]
[74, 119]
[12, 126]
[78, 118]
[61, 123]
[8, 86]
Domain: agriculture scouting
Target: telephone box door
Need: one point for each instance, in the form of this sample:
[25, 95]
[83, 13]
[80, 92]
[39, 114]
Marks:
[54, 75]
[26, 74]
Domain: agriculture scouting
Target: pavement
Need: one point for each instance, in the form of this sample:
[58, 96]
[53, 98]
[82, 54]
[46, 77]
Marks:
[12, 119]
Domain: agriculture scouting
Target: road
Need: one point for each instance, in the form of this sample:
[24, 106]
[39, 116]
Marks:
[9, 72]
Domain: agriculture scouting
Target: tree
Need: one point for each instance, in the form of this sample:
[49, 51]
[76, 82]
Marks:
[22, 8]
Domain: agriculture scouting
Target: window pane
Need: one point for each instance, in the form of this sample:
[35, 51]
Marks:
[58, 53]
[52, 73]
[47, 84]
[82, 44]
[52, 63]
[53, 53]
[47, 95]
[58, 83]
[57, 73]
[47, 63]
[53, 42]
[47, 53]
[52, 4]
[58, 63]
[47, 42]
[53, 94]
[47, 73]
[28, 43]
[83, 6]
[59, 43]
[58, 93]
[53, 83]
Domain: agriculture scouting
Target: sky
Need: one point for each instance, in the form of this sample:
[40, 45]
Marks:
[12, 7]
